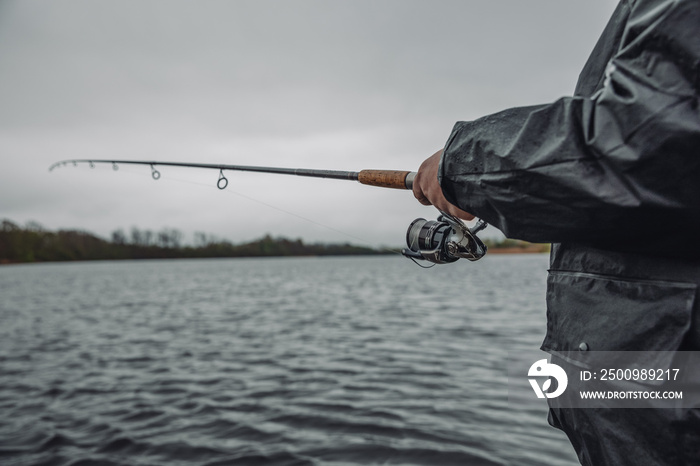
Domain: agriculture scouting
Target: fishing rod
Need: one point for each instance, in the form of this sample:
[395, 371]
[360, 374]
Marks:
[383, 178]
[440, 241]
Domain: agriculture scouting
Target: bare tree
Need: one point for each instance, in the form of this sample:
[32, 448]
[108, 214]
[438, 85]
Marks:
[164, 238]
[200, 239]
[118, 236]
[147, 237]
[34, 226]
[175, 238]
[136, 236]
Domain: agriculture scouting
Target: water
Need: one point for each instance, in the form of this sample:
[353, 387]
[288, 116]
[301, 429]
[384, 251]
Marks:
[337, 361]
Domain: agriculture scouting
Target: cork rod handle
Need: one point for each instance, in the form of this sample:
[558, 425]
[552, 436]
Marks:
[387, 178]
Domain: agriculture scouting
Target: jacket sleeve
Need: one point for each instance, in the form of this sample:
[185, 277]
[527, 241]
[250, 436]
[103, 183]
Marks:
[621, 164]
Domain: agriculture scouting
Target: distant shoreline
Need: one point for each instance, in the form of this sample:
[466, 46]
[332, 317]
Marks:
[33, 243]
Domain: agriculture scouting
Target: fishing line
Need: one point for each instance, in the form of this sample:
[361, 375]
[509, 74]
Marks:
[222, 185]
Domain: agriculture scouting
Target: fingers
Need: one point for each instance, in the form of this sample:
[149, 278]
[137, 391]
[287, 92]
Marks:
[426, 179]
[420, 197]
[427, 190]
[457, 212]
[425, 201]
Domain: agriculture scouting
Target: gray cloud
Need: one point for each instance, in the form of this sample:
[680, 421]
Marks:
[325, 84]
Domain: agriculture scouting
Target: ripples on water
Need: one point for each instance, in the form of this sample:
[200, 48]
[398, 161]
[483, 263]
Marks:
[338, 361]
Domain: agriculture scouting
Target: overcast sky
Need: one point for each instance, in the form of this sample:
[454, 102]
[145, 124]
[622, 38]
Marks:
[345, 85]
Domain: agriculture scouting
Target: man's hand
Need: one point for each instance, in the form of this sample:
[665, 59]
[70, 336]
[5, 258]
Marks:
[428, 191]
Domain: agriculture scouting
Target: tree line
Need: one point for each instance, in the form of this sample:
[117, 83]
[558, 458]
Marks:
[33, 243]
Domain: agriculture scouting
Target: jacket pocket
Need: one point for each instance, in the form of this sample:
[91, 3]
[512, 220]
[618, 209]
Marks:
[603, 313]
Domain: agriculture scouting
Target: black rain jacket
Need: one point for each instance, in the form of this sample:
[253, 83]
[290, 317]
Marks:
[612, 177]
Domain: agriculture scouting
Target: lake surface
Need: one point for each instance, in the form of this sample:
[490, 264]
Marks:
[295, 361]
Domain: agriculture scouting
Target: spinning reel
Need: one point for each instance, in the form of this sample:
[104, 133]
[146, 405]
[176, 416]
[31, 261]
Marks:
[444, 240]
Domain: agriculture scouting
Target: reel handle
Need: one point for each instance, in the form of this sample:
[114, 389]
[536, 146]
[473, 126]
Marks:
[396, 179]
